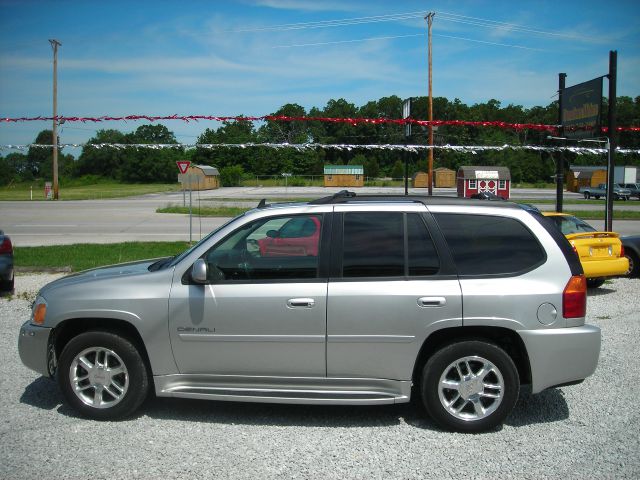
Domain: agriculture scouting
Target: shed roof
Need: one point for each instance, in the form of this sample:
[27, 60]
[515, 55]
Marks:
[585, 168]
[343, 170]
[482, 173]
[207, 169]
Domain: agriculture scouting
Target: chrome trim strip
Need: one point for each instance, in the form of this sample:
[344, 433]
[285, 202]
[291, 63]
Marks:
[213, 337]
[371, 338]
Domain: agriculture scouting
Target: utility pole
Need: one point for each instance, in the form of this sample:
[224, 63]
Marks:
[429, 19]
[560, 160]
[55, 44]
[611, 133]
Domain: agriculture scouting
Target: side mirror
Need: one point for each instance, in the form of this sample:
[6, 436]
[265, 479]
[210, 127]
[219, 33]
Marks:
[273, 233]
[199, 271]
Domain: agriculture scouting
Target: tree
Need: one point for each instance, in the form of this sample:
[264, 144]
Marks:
[104, 161]
[147, 164]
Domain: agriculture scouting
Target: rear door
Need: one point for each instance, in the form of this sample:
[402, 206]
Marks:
[391, 286]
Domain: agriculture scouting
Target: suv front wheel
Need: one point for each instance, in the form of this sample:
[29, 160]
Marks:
[102, 375]
[470, 386]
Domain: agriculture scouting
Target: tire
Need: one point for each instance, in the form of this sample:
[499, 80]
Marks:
[8, 286]
[634, 264]
[597, 197]
[587, 195]
[595, 282]
[470, 405]
[113, 390]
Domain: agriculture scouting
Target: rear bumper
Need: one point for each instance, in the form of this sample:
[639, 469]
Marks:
[33, 345]
[561, 355]
[605, 267]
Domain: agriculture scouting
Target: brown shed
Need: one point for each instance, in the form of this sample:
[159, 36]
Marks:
[343, 176]
[444, 177]
[420, 180]
[585, 176]
[200, 177]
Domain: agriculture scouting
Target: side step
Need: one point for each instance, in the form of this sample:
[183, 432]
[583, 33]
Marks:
[300, 390]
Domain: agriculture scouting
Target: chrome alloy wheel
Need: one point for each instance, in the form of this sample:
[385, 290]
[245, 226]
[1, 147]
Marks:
[471, 388]
[99, 377]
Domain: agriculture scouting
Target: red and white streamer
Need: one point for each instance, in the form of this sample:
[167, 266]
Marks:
[283, 118]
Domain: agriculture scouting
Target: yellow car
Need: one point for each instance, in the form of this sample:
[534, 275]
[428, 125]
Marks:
[601, 253]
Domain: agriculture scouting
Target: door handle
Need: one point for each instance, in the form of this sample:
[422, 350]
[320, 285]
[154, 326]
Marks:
[432, 301]
[301, 303]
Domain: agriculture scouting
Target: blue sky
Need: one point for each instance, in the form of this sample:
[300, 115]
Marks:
[252, 56]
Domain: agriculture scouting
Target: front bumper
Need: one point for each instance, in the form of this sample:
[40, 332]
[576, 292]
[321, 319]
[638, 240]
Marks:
[33, 345]
[561, 355]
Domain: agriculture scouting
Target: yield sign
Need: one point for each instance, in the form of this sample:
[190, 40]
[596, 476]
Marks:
[183, 165]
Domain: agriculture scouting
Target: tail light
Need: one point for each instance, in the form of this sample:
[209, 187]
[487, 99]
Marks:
[621, 251]
[574, 297]
[5, 246]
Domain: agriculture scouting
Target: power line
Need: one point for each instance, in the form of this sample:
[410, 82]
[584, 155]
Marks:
[349, 41]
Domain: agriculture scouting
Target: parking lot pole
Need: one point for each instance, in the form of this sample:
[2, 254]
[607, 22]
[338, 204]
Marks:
[613, 68]
[560, 161]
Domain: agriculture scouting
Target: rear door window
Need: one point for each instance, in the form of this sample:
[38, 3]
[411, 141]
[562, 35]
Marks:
[490, 245]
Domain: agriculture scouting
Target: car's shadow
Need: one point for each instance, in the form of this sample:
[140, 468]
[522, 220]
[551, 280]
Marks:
[548, 406]
[597, 292]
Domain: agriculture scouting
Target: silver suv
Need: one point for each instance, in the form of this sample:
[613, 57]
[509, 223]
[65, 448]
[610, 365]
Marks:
[342, 300]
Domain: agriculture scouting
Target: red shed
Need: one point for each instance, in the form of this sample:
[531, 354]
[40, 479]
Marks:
[496, 180]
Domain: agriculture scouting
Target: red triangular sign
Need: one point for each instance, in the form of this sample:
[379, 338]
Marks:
[183, 165]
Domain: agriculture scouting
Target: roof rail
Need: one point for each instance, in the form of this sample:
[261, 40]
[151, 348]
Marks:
[345, 196]
[335, 198]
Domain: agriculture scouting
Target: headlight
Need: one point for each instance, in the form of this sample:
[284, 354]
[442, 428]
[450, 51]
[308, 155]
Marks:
[39, 311]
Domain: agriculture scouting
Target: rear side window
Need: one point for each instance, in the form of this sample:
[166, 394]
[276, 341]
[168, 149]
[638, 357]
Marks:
[379, 244]
[490, 245]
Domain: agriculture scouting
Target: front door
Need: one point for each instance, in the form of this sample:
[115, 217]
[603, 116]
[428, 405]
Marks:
[490, 186]
[263, 312]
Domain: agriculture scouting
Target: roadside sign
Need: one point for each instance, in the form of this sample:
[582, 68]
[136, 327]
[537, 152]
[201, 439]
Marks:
[183, 165]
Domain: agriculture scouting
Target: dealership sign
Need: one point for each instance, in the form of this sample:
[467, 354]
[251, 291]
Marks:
[581, 109]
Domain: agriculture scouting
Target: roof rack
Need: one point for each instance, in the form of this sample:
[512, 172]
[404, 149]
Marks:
[345, 196]
[335, 198]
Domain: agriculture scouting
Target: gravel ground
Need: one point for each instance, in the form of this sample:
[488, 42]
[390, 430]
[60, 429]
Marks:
[585, 431]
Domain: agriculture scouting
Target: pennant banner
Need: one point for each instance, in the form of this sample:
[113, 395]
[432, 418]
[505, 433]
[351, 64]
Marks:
[311, 146]
[282, 118]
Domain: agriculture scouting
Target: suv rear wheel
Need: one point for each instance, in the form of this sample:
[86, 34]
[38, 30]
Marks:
[470, 386]
[102, 375]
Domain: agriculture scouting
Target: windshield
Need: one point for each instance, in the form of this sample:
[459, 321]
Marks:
[569, 225]
[178, 258]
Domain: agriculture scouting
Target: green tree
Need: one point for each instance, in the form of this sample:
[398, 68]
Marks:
[104, 161]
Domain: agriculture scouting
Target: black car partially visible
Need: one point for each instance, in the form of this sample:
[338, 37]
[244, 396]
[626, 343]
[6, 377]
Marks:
[631, 244]
[6, 264]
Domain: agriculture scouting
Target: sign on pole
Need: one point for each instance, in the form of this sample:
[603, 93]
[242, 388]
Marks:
[183, 166]
[581, 109]
[406, 113]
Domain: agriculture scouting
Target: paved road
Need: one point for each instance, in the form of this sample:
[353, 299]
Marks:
[134, 218]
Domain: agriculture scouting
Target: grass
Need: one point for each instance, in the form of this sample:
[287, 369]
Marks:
[83, 255]
[206, 211]
[599, 214]
[100, 189]
[570, 201]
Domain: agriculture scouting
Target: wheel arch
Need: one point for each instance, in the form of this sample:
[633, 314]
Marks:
[73, 327]
[505, 338]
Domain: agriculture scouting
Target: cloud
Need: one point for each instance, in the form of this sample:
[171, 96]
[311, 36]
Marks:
[306, 5]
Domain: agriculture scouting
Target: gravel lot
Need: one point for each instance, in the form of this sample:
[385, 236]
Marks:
[585, 431]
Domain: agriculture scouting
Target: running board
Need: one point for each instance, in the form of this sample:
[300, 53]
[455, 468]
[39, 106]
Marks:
[300, 390]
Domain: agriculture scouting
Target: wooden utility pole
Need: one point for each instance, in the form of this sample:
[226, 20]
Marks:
[55, 44]
[429, 19]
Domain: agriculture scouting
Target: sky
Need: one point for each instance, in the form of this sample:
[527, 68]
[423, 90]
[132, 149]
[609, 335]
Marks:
[250, 57]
